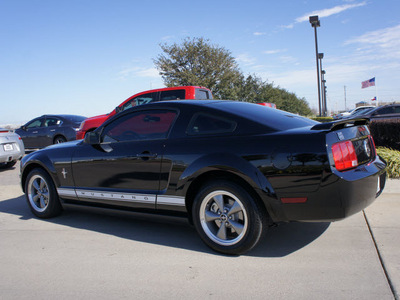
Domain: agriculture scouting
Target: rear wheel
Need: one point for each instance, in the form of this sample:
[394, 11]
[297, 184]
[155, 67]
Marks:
[227, 218]
[41, 194]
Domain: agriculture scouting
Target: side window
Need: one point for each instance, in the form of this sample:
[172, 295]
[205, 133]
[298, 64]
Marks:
[52, 122]
[397, 109]
[173, 95]
[35, 123]
[139, 100]
[202, 123]
[202, 94]
[144, 125]
[386, 110]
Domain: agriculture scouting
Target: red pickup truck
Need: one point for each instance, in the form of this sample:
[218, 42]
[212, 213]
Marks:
[171, 93]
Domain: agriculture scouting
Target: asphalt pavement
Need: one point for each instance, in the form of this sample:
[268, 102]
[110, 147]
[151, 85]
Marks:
[97, 254]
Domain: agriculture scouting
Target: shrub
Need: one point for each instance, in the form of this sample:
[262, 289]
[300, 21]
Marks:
[323, 119]
[392, 158]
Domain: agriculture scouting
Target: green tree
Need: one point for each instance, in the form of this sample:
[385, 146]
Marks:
[197, 62]
[254, 89]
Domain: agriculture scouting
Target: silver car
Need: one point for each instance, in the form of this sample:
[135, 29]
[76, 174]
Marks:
[11, 148]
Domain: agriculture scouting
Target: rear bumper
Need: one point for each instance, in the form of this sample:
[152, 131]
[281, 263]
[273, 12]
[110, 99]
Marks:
[15, 154]
[7, 157]
[337, 197]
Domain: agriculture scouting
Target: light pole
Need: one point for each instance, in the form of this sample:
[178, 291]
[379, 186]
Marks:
[324, 92]
[323, 102]
[315, 23]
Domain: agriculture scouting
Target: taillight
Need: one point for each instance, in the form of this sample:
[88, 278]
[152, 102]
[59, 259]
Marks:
[344, 155]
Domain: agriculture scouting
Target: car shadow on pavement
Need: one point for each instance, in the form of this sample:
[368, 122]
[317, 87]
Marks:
[168, 231]
[4, 169]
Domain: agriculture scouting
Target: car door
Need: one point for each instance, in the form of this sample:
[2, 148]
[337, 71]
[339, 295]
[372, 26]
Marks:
[31, 133]
[124, 169]
[141, 99]
[51, 126]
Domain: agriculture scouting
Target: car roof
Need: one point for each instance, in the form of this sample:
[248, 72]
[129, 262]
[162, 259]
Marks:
[371, 111]
[170, 89]
[273, 118]
[64, 116]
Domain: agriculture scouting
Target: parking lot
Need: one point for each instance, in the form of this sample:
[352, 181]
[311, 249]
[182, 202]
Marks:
[87, 254]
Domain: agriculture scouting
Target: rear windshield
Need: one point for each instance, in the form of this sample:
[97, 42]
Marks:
[274, 118]
[203, 94]
[172, 95]
[75, 118]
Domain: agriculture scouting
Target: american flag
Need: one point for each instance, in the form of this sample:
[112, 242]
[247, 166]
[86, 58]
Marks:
[368, 83]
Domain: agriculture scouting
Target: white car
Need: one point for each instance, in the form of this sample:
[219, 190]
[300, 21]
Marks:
[11, 148]
[349, 113]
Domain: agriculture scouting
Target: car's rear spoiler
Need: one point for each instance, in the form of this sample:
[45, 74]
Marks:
[335, 125]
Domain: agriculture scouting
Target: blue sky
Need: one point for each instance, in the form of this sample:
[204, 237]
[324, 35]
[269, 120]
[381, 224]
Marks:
[85, 57]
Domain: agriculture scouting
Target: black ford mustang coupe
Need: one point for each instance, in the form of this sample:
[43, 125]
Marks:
[233, 168]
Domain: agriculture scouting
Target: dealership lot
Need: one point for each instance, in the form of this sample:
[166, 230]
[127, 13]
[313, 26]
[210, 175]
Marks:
[111, 255]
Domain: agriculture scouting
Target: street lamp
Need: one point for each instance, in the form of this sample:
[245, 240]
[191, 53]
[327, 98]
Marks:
[323, 99]
[314, 21]
[324, 92]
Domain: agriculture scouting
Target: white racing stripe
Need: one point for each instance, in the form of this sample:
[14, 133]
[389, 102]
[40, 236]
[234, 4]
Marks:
[128, 197]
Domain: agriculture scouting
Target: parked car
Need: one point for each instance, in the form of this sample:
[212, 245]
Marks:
[49, 129]
[268, 104]
[233, 168]
[352, 112]
[164, 94]
[11, 148]
[382, 112]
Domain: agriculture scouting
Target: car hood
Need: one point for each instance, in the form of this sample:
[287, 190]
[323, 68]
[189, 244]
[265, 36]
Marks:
[96, 117]
[70, 144]
[59, 150]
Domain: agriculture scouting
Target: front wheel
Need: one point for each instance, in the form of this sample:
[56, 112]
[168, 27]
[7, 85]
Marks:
[41, 194]
[227, 218]
[59, 140]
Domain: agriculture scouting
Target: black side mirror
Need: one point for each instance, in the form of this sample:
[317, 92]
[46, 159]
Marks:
[92, 138]
[118, 109]
[23, 127]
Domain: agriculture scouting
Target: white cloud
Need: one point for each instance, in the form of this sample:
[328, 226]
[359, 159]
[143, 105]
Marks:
[245, 59]
[287, 59]
[150, 72]
[329, 11]
[167, 38]
[138, 72]
[324, 13]
[387, 41]
[275, 51]
[259, 33]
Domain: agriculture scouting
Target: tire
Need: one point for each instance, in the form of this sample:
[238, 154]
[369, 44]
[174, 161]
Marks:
[59, 140]
[227, 218]
[41, 194]
[8, 165]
